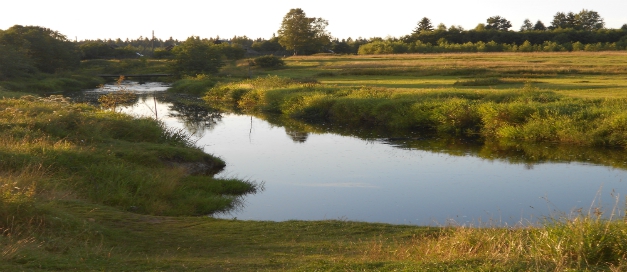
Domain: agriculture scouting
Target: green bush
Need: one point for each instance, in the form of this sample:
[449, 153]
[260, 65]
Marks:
[269, 61]
[197, 85]
[196, 56]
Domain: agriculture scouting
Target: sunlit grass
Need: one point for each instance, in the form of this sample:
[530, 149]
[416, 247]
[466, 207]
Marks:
[53, 150]
[577, 74]
[527, 113]
[83, 189]
[111, 239]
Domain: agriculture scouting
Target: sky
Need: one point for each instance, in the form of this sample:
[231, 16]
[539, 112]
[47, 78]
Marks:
[261, 19]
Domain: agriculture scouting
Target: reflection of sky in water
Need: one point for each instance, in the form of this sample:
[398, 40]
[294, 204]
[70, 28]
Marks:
[134, 87]
[331, 177]
[336, 177]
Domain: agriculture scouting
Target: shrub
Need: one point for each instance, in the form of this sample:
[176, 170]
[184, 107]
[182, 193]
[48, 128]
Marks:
[269, 61]
[196, 85]
[195, 56]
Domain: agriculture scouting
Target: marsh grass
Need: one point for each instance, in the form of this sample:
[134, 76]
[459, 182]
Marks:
[114, 239]
[51, 84]
[579, 241]
[120, 96]
[480, 82]
[527, 114]
[52, 149]
[87, 190]
[559, 72]
[197, 85]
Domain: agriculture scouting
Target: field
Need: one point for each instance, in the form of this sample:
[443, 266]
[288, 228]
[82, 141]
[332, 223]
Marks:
[566, 98]
[107, 216]
[582, 74]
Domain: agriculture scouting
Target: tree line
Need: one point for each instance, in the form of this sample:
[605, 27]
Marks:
[26, 50]
[567, 32]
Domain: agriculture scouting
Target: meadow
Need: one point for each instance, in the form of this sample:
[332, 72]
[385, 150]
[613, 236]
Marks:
[89, 189]
[576, 74]
[566, 98]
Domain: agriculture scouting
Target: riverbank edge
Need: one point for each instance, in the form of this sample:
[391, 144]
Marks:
[54, 151]
[526, 115]
[100, 237]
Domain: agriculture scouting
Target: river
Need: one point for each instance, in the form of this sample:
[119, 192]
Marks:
[332, 173]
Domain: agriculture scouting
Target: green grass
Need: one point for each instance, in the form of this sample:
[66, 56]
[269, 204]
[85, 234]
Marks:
[125, 66]
[93, 237]
[54, 151]
[194, 85]
[83, 189]
[109, 158]
[83, 78]
[570, 98]
[528, 114]
[51, 84]
[579, 74]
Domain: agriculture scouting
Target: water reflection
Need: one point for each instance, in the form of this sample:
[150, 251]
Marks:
[197, 117]
[324, 171]
[528, 154]
[383, 176]
[296, 135]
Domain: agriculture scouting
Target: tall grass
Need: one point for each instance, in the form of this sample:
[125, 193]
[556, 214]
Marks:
[579, 241]
[51, 149]
[197, 85]
[528, 114]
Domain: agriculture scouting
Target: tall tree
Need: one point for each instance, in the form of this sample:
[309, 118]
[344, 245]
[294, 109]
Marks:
[49, 50]
[498, 23]
[480, 27]
[539, 26]
[526, 26]
[455, 29]
[303, 34]
[195, 56]
[571, 20]
[424, 25]
[589, 20]
[14, 62]
[559, 21]
[584, 20]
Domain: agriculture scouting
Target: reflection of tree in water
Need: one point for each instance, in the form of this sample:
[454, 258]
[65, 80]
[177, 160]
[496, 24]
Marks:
[196, 118]
[297, 135]
[527, 154]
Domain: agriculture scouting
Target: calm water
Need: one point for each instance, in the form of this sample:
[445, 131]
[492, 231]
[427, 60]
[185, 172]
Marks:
[324, 175]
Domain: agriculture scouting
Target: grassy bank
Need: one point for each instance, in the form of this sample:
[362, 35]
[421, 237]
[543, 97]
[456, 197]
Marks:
[109, 158]
[526, 114]
[53, 151]
[88, 237]
[84, 77]
[573, 98]
[83, 189]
